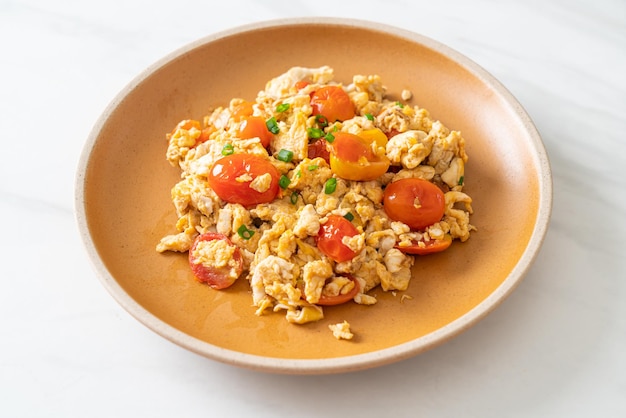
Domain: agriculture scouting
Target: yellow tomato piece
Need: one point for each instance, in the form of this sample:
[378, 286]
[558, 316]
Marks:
[359, 157]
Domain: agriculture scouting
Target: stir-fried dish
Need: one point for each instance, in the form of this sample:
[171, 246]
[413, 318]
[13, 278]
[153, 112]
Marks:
[316, 193]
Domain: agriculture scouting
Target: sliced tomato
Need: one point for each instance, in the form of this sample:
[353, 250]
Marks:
[230, 179]
[414, 201]
[326, 300]
[319, 149]
[330, 236]
[427, 247]
[218, 277]
[255, 127]
[352, 158]
[333, 103]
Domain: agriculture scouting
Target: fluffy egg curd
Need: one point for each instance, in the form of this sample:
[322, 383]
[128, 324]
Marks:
[316, 193]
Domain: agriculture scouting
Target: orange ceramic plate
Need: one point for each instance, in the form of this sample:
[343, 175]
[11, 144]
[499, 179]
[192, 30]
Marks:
[123, 197]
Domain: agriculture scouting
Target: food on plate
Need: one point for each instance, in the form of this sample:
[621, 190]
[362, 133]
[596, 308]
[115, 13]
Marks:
[316, 192]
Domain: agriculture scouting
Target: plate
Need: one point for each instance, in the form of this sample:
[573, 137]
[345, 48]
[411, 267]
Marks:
[123, 204]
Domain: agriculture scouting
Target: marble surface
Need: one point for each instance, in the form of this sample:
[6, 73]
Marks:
[555, 347]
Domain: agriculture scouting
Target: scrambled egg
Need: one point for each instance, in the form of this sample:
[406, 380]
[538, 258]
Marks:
[286, 270]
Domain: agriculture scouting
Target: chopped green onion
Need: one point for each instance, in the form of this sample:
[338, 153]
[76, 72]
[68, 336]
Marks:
[244, 232]
[282, 107]
[329, 137]
[321, 120]
[461, 180]
[285, 155]
[314, 133]
[284, 181]
[400, 105]
[294, 198]
[298, 173]
[369, 116]
[313, 167]
[330, 186]
[272, 126]
[228, 149]
[349, 216]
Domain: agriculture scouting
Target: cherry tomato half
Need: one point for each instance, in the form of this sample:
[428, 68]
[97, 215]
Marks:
[414, 201]
[427, 247]
[352, 157]
[255, 127]
[230, 179]
[326, 300]
[218, 277]
[333, 103]
[330, 236]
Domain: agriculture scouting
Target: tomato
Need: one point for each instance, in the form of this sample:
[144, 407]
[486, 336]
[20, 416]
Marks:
[414, 201]
[218, 277]
[352, 158]
[319, 149]
[242, 110]
[204, 135]
[333, 103]
[427, 247]
[225, 179]
[330, 236]
[255, 127]
[326, 300]
[301, 84]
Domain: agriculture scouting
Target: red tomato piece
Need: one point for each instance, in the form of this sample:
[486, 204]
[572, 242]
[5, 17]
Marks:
[339, 299]
[230, 179]
[427, 247]
[319, 149]
[330, 235]
[218, 277]
[255, 127]
[333, 103]
[414, 201]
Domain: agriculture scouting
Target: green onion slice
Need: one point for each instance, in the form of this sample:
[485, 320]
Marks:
[313, 167]
[314, 133]
[349, 216]
[369, 116]
[329, 137]
[461, 180]
[330, 186]
[284, 181]
[244, 232]
[285, 155]
[228, 149]
[294, 198]
[272, 126]
[321, 120]
[282, 107]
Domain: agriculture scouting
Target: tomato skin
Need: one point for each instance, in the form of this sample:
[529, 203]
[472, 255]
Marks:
[330, 235]
[352, 158]
[215, 277]
[399, 202]
[430, 247]
[255, 127]
[333, 103]
[319, 149]
[339, 299]
[225, 171]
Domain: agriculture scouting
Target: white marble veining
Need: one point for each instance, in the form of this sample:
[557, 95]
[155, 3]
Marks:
[556, 347]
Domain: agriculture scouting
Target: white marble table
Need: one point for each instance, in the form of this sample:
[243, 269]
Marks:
[556, 347]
